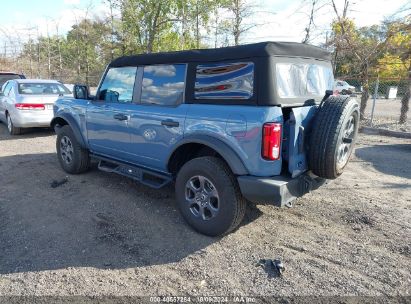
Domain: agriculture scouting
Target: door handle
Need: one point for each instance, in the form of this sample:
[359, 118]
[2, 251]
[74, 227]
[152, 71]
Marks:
[120, 116]
[170, 123]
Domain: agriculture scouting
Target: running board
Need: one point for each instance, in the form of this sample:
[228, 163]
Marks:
[144, 176]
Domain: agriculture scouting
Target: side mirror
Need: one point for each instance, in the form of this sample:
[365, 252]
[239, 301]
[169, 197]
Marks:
[81, 91]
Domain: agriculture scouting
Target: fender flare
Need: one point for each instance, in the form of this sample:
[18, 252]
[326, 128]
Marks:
[73, 125]
[226, 152]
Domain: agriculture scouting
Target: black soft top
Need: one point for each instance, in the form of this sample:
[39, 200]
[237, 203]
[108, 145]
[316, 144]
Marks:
[262, 49]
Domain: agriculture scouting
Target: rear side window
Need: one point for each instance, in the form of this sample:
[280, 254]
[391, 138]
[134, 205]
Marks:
[303, 79]
[163, 84]
[224, 81]
[7, 88]
[118, 85]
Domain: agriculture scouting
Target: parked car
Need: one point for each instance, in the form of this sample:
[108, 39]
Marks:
[5, 76]
[27, 103]
[248, 123]
[343, 87]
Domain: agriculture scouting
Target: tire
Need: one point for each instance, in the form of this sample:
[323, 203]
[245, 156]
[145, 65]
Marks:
[223, 205]
[72, 157]
[10, 126]
[333, 136]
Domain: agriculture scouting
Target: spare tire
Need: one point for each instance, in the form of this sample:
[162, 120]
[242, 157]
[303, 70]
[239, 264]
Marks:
[333, 136]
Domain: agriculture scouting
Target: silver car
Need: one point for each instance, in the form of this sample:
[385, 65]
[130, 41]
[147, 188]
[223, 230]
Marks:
[28, 103]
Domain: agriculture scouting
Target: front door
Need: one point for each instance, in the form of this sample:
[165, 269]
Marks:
[108, 116]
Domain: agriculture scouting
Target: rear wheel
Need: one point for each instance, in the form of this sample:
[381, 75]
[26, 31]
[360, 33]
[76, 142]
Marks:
[11, 128]
[208, 196]
[333, 136]
[72, 157]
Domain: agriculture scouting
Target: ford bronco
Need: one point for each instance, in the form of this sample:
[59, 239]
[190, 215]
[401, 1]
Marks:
[253, 123]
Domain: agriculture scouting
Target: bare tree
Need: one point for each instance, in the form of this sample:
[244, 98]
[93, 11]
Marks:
[30, 55]
[403, 48]
[363, 55]
[241, 10]
[38, 53]
[48, 53]
[60, 57]
[405, 101]
[112, 5]
[310, 22]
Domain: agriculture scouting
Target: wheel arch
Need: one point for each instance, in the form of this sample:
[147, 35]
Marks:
[62, 120]
[195, 146]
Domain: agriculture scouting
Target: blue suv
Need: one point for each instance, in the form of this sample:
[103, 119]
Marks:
[247, 123]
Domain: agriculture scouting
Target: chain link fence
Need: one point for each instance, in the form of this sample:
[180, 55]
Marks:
[384, 102]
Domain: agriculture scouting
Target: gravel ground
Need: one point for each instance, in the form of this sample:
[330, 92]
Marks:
[102, 234]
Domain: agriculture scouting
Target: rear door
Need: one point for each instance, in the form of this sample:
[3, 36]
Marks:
[108, 116]
[157, 119]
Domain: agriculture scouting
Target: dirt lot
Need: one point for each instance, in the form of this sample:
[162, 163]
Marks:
[102, 234]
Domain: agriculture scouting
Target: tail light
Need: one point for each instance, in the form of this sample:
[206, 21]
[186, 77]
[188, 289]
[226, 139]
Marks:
[271, 141]
[29, 106]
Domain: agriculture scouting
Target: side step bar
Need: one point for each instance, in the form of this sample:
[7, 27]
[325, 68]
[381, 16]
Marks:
[144, 176]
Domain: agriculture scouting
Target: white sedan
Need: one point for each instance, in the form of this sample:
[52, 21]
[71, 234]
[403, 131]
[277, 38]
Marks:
[27, 103]
[343, 87]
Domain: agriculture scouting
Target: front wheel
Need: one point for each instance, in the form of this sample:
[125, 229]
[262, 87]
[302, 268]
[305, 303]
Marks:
[209, 197]
[72, 157]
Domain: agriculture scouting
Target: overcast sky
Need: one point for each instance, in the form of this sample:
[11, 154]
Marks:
[282, 20]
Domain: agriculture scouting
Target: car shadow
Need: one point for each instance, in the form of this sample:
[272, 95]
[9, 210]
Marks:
[26, 133]
[380, 157]
[95, 219]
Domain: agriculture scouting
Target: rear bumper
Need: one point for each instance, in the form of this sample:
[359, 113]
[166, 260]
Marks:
[31, 119]
[278, 190]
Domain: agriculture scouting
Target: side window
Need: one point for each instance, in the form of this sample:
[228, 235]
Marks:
[11, 91]
[7, 89]
[163, 84]
[296, 80]
[224, 81]
[118, 85]
[3, 87]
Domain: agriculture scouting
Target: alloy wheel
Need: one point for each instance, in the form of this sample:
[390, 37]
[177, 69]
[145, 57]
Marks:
[66, 150]
[202, 197]
[344, 149]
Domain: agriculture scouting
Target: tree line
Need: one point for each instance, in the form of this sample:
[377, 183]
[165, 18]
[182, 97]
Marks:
[130, 27]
